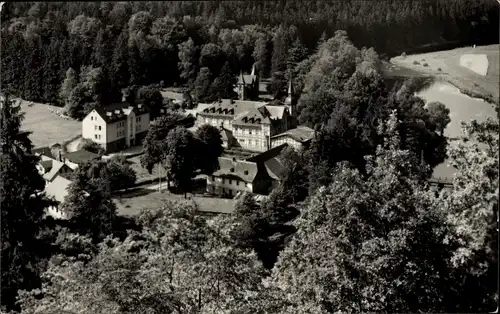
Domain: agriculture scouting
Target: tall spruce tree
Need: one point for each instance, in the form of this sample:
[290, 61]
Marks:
[23, 206]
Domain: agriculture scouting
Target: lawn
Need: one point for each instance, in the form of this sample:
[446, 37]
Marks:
[47, 127]
[447, 65]
[142, 174]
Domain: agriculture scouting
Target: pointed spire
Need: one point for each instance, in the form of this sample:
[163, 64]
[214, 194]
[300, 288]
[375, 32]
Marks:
[242, 79]
[290, 85]
[253, 69]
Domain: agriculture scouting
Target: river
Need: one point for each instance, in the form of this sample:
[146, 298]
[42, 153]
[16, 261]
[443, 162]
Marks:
[462, 108]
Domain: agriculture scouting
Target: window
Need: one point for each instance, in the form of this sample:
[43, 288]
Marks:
[99, 136]
[91, 118]
[99, 128]
[95, 127]
[250, 132]
[118, 134]
[223, 180]
[237, 182]
[242, 140]
[95, 136]
[230, 181]
[246, 184]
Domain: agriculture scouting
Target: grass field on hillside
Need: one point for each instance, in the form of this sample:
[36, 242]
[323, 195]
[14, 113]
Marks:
[47, 127]
[446, 65]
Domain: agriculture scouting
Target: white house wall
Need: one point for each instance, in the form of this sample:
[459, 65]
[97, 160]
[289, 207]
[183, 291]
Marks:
[90, 128]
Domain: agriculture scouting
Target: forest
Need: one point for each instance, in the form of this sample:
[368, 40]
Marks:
[107, 46]
[354, 225]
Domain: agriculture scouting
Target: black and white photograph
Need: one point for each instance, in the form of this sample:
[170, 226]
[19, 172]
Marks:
[249, 157]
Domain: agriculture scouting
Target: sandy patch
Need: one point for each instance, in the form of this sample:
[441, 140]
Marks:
[475, 62]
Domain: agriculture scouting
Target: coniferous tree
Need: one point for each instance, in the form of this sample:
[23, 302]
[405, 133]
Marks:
[23, 206]
[51, 72]
[279, 63]
[120, 68]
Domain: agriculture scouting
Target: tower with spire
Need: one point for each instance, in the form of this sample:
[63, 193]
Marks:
[247, 86]
[290, 99]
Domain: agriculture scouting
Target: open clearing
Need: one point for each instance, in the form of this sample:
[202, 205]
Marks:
[447, 65]
[47, 127]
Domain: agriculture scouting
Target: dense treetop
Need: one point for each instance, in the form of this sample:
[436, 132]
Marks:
[129, 43]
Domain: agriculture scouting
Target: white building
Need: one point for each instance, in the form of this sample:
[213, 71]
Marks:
[117, 126]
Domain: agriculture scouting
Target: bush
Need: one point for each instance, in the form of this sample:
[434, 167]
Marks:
[162, 83]
[425, 65]
[121, 174]
[415, 62]
[91, 146]
[403, 55]
[439, 69]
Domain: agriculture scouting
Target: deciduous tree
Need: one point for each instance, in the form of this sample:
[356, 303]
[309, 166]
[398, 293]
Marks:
[210, 148]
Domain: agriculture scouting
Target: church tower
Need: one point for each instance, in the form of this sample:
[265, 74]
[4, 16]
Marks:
[290, 99]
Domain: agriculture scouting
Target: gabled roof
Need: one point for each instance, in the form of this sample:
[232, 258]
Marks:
[56, 167]
[124, 109]
[237, 169]
[276, 112]
[81, 156]
[58, 188]
[256, 116]
[300, 134]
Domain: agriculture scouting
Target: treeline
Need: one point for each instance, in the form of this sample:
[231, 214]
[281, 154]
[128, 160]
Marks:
[200, 44]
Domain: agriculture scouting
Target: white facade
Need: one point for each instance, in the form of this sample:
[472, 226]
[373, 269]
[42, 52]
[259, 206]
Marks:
[286, 139]
[95, 128]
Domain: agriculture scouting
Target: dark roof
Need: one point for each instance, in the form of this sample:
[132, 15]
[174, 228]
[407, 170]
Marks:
[301, 134]
[256, 116]
[273, 152]
[46, 165]
[81, 156]
[124, 110]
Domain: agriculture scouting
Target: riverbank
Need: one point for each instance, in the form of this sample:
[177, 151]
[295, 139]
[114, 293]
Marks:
[446, 65]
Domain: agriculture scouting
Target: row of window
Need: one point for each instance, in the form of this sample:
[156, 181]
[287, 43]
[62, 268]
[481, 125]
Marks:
[250, 142]
[97, 136]
[97, 127]
[137, 119]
